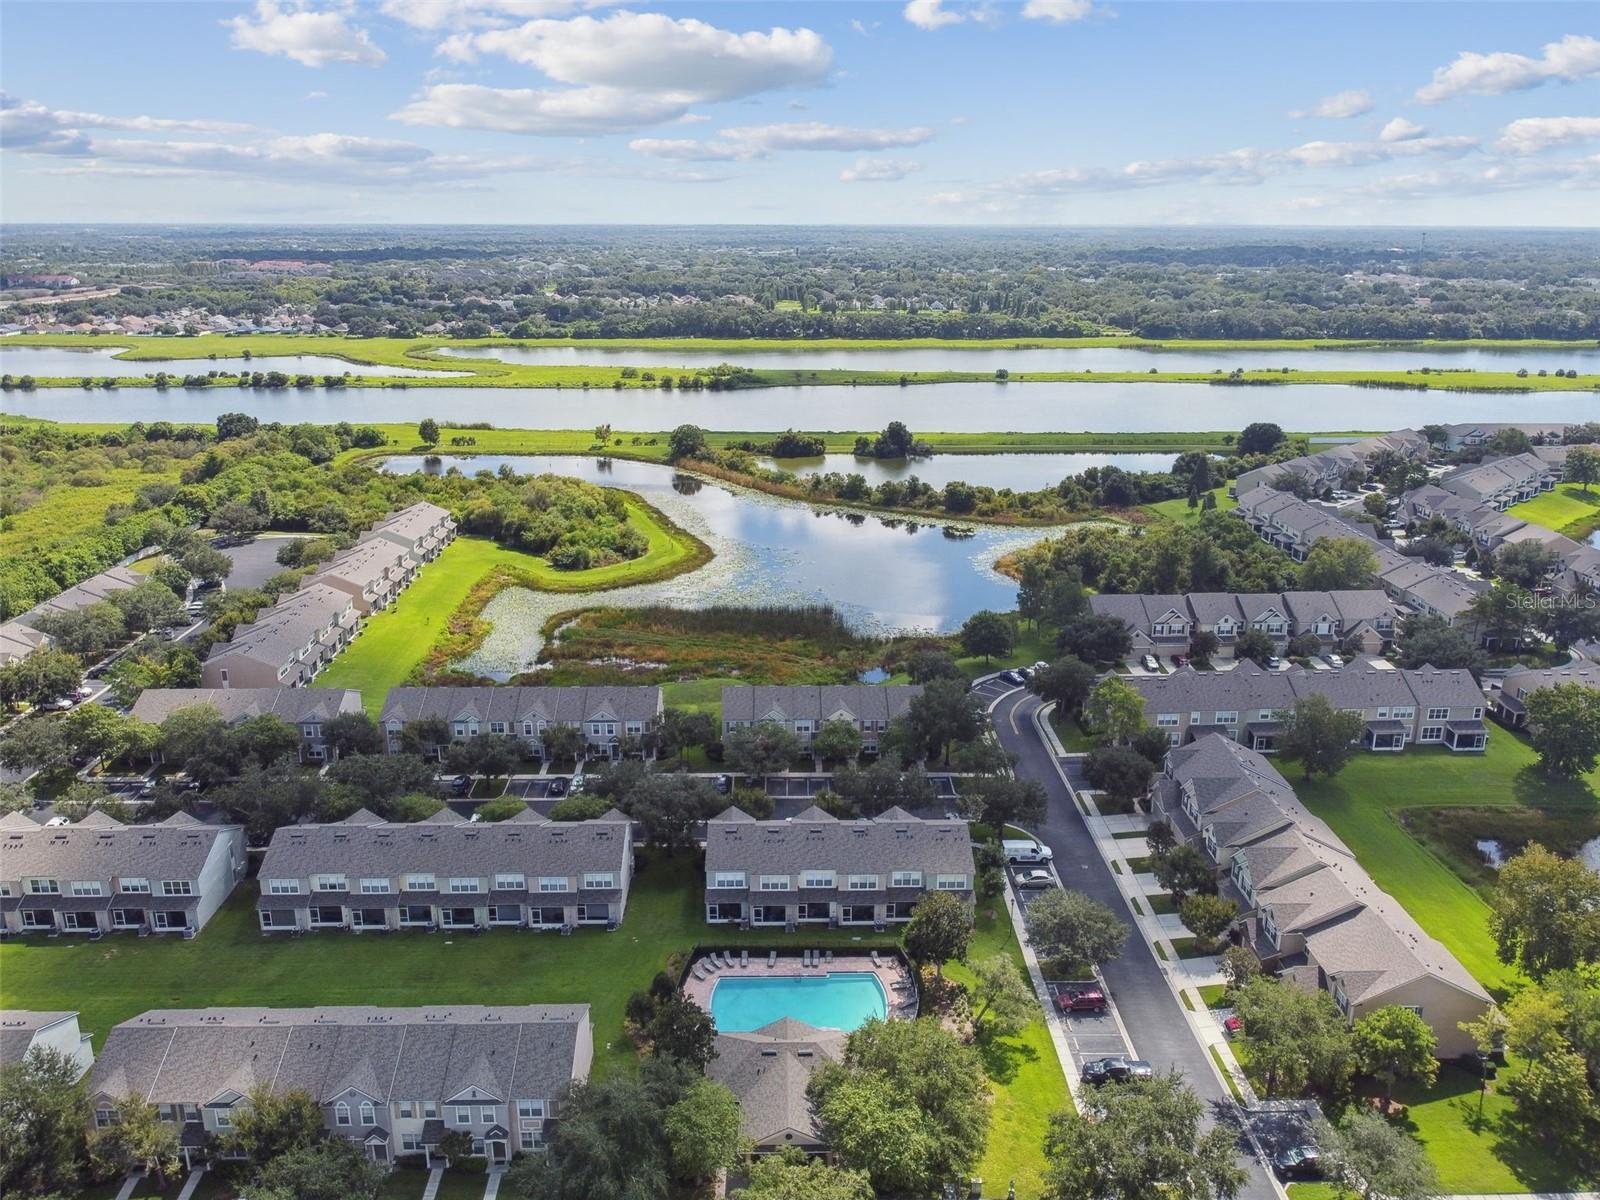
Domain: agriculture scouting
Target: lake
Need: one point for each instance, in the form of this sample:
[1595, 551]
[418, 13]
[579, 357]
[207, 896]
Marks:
[1019, 472]
[883, 575]
[1021, 361]
[944, 407]
[102, 362]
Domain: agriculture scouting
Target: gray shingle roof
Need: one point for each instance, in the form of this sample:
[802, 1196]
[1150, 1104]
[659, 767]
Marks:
[91, 591]
[17, 1030]
[768, 1070]
[294, 705]
[561, 705]
[863, 701]
[863, 847]
[288, 626]
[66, 852]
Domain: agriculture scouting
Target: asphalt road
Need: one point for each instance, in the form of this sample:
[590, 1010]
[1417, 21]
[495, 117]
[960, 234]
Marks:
[1153, 1016]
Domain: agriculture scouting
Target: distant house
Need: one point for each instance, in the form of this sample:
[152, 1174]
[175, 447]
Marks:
[608, 716]
[392, 1080]
[372, 572]
[1166, 624]
[803, 708]
[23, 1032]
[1510, 702]
[305, 708]
[817, 869]
[768, 1070]
[91, 591]
[17, 641]
[1307, 908]
[100, 875]
[445, 872]
[422, 530]
[288, 644]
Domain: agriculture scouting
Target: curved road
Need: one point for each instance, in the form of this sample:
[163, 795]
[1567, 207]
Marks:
[1154, 1018]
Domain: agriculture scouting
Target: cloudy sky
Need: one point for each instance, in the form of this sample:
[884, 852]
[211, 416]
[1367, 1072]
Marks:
[932, 111]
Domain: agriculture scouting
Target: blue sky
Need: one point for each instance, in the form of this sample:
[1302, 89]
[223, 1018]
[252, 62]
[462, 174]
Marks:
[932, 111]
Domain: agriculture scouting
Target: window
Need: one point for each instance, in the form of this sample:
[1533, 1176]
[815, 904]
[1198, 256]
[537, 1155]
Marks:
[430, 1110]
[374, 887]
[330, 883]
[553, 883]
[463, 885]
[1227, 718]
[104, 1118]
[44, 887]
[906, 879]
[486, 1115]
[86, 887]
[530, 1139]
[727, 879]
[224, 1119]
[1167, 720]
[369, 1114]
[774, 883]
[950, 883]
[1438, 714]
[530, 1110]
[1431, 733]
[420, 883]
[461, 1114]
[862, 883]
[1404, 714]
[341, 1113]
[141, 886]
[511, 883]
[599, 880]
[497, 726]
[817, 879]
[411, 1143]
[176, 887]
[283, 887]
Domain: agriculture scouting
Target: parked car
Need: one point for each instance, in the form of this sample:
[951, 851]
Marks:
[558, 787]
[1025, 851]
[1116, 1069]
[1333, 660]
[1233, 1027]
[1298, 1162]
[1080, 999]
[1150, 663]
[84, 691]
[1040, 665]
[1036, 878]
[55, 822]
[1025, 672]
[1179, 660]
[1274, 662]
[724, 784]
[62, 704]
[1011, 677]
[461, 785]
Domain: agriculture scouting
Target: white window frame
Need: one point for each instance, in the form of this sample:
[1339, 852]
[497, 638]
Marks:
[774, 883]
[861, 883]
[341, 1114]
[817, 879]
[550, 884]
[905, 879]
[460, 1115]
[177, 887]
[369, 1113]
[44, 887]
[330, 883]
[87, 887]
[375, 887]
[511, 882]
[485, 1114]
[462, 885]
[422, 883]
[530, 1110]
[950, 883]
[727, 880]
[599, 881]
[134, 887]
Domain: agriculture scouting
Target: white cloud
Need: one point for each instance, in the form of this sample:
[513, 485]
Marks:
[570, 113]
[311, 37]
[654, 53]
[452, 14]
[1574, 57]
[759, 141]
[689, 150]
[878, 170]
[930, 14]
[1059, 11]
[316, 95]
[1339, 106]
[1530, 135]
[1400, 130]
[862, 27]
[27, 124]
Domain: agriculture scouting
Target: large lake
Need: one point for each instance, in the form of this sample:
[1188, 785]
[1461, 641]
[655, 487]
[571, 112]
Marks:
[102, 363]
[1020, 361]
[883, 575]
[946, 407]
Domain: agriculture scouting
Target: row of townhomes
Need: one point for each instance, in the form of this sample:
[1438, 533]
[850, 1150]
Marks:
[1329, 468]
[290, 642]
[446, 872]
[803, 709]
[1519, 683]
[1307, 908]
[99, 875]
[392, 1080]
[1398, 707]
[611, 718]
[305, 708]
[23, 1032]
[817, 869]
[21, 636]
[1166, 624]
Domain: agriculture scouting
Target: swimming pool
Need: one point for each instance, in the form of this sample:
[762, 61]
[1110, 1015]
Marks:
[840, 1000]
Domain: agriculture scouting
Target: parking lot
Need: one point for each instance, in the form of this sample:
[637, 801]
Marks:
[992, 689]
[803, 787]
[539, 787]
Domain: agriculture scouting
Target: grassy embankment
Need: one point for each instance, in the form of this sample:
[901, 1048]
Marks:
[422, 354]
[1570, 509]
[231, 963]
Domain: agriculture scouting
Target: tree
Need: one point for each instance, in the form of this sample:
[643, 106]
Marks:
[837, 740]
[1238, 965]
[1583, 466]
[1202, 645]
[1115, 709]
[374, 780]
[669, 807]
[352, 733]
[930, 663]
[792, 1175]
[43, 1113]
[1297, 1036]
[1553, 1098]
[1397, 1046]
[334, 1168]
[1564, 728]
[1502, 614]
[1526, 564]
[1371, 1157]
[686, 441]
[1535, 1022]
[868, 791]
[703, 1130]
[1545, 912]
[43, 745]
[987, 634]
[207, 563]
[943, 714]
[1141, 1140]
[1066, 682]
[908, 1105]
[939, 930]
[1338, 564]
[265, 738]
[1003, 996]
[1069, 928]
[428, 431]
[149, 606]
[1260, 437]
[1207, 916]
[1121, 773]
[137, 1138]
[562, 742]
[681, 1029]
[45, 675]
[502, 808]
[1185, 871]
[1096, 638]
[272, 1123]
[765, 748]
[681, 728]
[1320, 737]
[418, 806]
[1256, 645]
[1001, 800]
[1431, 641]
[489, 754]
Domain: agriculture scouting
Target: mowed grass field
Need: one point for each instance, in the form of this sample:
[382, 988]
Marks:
[394, 642]
[1569, 509]
[232, 963]
[1178, 510]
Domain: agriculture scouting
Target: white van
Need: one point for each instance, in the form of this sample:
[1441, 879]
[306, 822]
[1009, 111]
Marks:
[1025, 850]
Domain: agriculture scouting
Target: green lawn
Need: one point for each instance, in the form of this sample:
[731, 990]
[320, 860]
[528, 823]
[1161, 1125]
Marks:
[1569, 509]
[1179, 510]
[404, 1183]
[462, 1185]
[697, 695]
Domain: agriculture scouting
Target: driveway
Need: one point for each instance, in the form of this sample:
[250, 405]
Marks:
[255, 562]
[1156, 1022]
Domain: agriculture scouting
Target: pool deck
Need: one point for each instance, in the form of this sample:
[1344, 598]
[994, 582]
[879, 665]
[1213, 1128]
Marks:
[893, 975]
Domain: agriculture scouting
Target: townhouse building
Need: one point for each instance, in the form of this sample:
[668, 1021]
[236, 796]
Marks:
[1501, 482]
[99, 875]
[1468, 434]
[817, 869]
[1509, 702]
[288, 644]
[445, 872]
[17, 641]
[613, 719]
[1307, 909]
[802, 709]
[423, 530]
[394, 1081]
[1331, 468]
[81, 595]
[23, 1032]
[1295, 525]
[1398, 707]
[768, 1071]
[372, 573]
[308, 709]
[1166, 624]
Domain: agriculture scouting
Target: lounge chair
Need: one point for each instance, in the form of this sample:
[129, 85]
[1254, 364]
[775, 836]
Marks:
[772, 959]
[744, 958]
[827, 957]
[875, 961]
